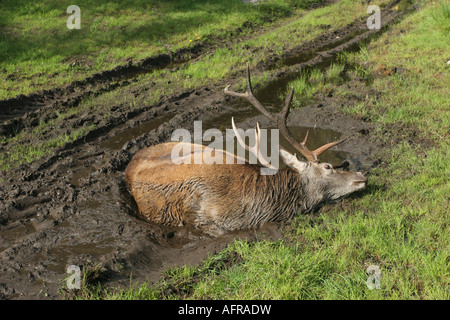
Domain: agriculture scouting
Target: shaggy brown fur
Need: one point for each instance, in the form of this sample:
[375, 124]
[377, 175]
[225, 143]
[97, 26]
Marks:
[220, 197]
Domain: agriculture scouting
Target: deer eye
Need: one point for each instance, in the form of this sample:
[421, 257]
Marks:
[327, 167]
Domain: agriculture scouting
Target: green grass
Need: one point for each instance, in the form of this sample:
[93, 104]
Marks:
[311, 84]
[225, 62]
[38, 51]
[420, 99]
[400, 223]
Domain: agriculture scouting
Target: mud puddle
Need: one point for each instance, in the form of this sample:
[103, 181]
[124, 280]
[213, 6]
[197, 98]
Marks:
[316, 136]
[116, 142]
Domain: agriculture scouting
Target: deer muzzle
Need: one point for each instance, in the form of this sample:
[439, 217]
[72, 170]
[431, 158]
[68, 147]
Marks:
[360, 180]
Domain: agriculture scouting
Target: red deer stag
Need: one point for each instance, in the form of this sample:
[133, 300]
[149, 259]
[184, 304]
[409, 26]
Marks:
[221, 197]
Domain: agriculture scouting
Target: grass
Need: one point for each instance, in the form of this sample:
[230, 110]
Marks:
[314, 83]
[225, 62]
[420, 99]
[38, 51]
[399, 224]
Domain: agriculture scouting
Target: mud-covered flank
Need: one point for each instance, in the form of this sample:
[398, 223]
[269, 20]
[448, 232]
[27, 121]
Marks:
[72, 207]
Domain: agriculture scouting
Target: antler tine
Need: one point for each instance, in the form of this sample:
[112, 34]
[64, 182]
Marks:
[249, 81]
[239, 139]
[251, 98]
[306, 138]
[327, 146]
[256, 150]
[287, 104]
[280, 121]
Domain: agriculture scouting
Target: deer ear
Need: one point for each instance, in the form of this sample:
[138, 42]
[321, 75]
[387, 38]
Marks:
[292, 161]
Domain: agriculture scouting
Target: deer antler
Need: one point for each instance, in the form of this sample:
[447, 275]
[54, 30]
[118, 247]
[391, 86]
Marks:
[255, 149]
[280, 121]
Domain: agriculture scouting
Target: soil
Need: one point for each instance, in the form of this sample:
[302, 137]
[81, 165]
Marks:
[72, 208]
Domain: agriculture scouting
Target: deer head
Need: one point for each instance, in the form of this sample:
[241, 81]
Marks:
[326, 182]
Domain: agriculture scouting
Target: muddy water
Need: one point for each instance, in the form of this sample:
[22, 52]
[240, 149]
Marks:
[120, 139]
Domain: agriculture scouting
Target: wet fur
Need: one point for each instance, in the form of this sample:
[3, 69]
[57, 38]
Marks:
[219, 197]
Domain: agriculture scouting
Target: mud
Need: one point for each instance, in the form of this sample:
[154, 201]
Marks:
[72, 208]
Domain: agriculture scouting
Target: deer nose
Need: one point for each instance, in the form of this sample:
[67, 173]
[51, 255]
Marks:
[361, 176]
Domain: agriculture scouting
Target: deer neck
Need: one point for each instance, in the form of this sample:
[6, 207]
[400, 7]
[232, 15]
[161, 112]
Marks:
[284, 194]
